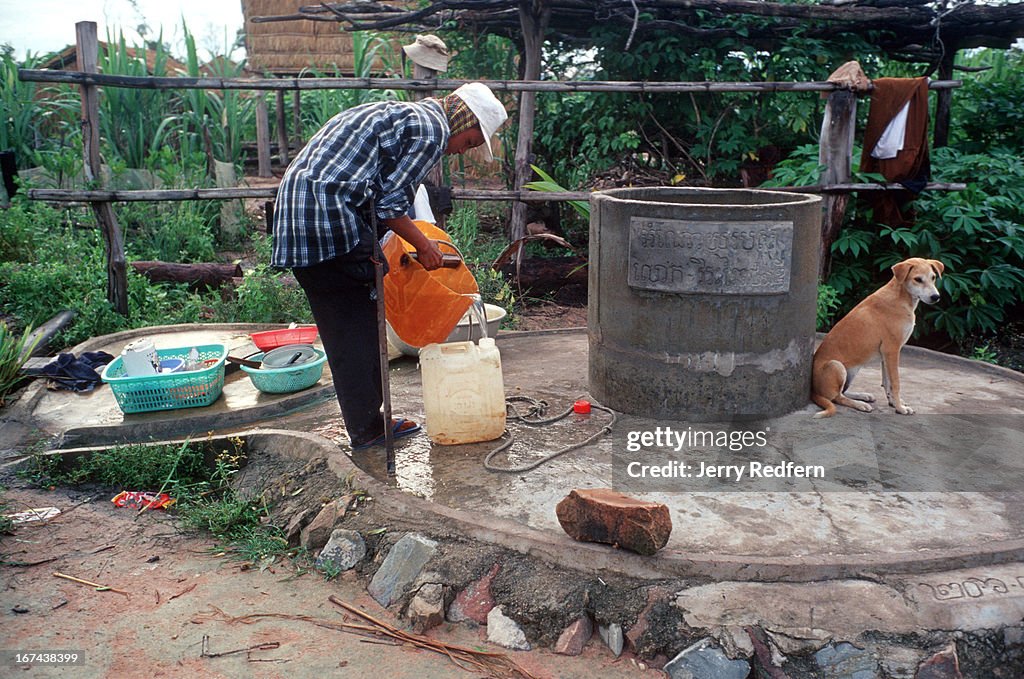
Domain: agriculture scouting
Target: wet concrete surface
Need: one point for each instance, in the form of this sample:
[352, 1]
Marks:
[909, 524]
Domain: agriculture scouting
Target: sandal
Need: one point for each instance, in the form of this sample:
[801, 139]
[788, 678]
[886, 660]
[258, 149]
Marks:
[400, 428]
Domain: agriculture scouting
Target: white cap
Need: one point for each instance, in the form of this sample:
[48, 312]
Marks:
[428, 51]
[487, 109]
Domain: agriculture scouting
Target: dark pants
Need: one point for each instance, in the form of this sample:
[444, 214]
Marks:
[346, 317]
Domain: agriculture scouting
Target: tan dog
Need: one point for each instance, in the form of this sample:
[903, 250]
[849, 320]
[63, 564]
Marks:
[881, 324]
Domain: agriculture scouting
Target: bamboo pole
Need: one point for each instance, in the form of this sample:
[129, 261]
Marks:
[82, 196]
[651, 87]
[117, 277]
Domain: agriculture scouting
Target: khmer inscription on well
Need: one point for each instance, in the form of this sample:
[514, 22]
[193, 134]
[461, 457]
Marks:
[723, 258]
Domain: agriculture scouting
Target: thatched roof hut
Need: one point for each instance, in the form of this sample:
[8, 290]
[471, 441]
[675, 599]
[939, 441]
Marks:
[65, 59]
[290, 47]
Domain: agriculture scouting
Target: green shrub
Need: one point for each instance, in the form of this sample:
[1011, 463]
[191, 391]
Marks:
[69, 272]
[14, 352]
[977, 233]
[989, 109]
[23, 230]
[463, 226]
[828, 305]
[168, 232]
[264, 296]
[704, 136]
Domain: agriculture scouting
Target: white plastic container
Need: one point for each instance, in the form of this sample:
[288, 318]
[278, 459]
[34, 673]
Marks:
[463, 392]
[140, 358]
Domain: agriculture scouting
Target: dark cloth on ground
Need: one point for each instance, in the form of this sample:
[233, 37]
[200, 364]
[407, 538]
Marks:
[76, 374]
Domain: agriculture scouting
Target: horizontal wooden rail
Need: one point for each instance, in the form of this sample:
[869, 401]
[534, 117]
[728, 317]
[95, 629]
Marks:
[92, 196]
[170, 83]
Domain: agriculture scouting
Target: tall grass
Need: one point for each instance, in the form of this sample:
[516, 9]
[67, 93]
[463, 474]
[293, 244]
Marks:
[319, 106]
[133, 121]
[32, 117]
[214, 121]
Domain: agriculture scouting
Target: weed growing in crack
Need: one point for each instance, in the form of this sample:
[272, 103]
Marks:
[205, 498]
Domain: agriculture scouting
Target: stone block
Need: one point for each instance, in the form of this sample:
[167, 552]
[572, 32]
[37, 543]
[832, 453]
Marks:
[610, 517]
[611, 635]
[846, 661]
[343, 550]
[504, 631]
[474, 602]
[574, 637]
[426, 610]
[400, 568]
[318, 532]
[943, 665]
[293, 532]
[704, 661]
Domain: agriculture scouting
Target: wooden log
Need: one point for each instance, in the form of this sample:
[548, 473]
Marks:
[203, 275]
[80, 196]
[169, 83]
[545, 275]
[117, 275]
[48, 330]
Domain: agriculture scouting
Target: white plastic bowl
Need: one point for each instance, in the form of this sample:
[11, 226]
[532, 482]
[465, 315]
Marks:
[464, 330]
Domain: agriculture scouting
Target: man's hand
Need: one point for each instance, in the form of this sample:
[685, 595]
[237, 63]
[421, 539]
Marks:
[429, 256]
[427, 252]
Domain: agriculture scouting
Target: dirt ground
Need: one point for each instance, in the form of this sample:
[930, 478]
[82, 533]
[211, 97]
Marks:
[173, 593]
[548, 315]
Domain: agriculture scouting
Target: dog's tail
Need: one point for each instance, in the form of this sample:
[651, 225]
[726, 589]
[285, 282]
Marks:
[829, 408]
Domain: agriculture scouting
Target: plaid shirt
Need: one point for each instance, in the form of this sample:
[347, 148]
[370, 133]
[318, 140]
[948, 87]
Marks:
[380, 152]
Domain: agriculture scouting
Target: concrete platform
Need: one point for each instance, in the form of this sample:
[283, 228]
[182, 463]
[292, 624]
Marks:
[94, 417]
[938, 554]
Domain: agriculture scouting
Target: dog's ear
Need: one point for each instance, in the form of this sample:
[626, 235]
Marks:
[901, 270]
[937, 266]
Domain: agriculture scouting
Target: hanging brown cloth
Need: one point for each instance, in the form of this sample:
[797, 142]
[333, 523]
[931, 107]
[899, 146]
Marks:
[911, 166]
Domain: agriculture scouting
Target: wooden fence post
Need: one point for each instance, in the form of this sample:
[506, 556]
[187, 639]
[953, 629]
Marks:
[263, 136]
[87, 48]
[836, 154]
[534, 24]
[297, 118]
[436, 175]
[943, 101]
[282, 130]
